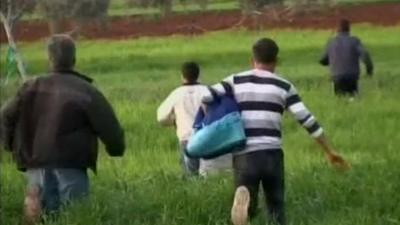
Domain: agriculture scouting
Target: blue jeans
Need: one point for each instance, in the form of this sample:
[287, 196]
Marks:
[58, 186]
[190, 166]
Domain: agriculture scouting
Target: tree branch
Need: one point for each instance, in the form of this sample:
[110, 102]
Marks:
[12, 44]
[18, 13]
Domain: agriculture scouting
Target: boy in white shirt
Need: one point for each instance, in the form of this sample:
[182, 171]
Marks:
[179, 110]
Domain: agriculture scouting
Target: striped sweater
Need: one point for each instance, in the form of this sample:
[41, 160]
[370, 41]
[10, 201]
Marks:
[263, 97]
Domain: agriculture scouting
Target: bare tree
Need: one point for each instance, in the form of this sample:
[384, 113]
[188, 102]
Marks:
[249, 6]
[203, 4]
[309, 6]
[165, 6]
[255, 9]
[11, 11]
[80, 11]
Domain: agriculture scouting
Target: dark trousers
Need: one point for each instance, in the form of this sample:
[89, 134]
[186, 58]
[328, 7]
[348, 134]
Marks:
[266, 168]
[346, 85]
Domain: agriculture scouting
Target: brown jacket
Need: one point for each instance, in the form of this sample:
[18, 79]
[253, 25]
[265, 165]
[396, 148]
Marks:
[55, 121]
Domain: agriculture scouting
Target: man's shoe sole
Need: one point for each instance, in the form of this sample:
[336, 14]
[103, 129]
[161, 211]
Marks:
[239, 213]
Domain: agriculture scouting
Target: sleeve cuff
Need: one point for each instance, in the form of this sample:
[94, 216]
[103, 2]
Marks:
[317, 133]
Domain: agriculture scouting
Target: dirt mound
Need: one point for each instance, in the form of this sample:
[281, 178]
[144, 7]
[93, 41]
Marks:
[192, 24]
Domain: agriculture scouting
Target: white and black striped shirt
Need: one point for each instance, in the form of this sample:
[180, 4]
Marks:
[263, 97]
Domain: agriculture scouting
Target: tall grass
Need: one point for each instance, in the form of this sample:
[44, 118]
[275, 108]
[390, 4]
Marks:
[145, 187]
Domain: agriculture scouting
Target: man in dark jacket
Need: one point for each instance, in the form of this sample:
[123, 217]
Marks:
[52, 126]
[342, 55]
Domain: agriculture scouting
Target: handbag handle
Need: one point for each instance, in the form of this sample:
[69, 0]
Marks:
[214, 93]
[226, 86]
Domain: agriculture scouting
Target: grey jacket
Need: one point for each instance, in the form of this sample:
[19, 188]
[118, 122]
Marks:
[343, 54]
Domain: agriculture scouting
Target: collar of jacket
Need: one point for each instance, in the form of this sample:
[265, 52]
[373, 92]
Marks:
[343, 33]
[74, 73]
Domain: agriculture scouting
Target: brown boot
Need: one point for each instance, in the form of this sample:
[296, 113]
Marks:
[32, 206]
[239, 213]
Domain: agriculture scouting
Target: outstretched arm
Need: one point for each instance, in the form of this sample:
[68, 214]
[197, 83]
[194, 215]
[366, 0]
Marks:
[308, 121]
[324, 60]
[332, 156]
[366, 58]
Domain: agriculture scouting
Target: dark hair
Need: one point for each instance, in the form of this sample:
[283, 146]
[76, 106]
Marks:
[344, 25]
[265, 51]
[61, 49]
[191, 71]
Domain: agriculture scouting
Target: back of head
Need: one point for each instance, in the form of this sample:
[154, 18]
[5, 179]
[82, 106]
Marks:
[61, 49]
[190, 72]
[265, 51]
[344, 26]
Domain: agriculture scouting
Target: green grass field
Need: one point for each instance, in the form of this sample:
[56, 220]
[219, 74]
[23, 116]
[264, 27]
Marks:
[145, 187]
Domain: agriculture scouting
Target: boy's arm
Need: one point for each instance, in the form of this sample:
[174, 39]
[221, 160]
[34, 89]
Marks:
[365, 57]
[309, 122]
[165, 113]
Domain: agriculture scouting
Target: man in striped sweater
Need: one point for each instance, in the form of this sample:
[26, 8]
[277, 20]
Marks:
[263, 96]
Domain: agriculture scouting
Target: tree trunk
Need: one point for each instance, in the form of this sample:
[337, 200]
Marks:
[166, 8]
[55, 26]
[102, 23]
[13, 45]
[248, 7]
[184, 4]
[203, 4]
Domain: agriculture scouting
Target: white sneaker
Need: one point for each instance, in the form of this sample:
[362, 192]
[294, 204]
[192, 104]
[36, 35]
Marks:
[239, 213]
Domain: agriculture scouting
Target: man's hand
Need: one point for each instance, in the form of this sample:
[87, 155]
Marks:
[334, 158]
[337, 161]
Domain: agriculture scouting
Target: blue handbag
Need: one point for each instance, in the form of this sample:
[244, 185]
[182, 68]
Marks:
[219, 131]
